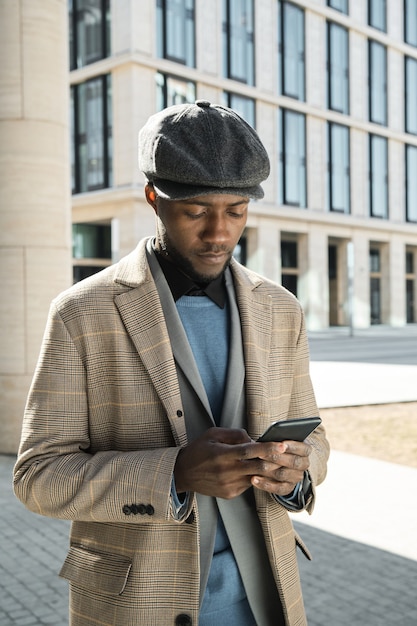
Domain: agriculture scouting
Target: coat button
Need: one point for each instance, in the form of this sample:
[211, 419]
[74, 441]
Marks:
[126, 509]
[183, 620]
[179, 413]
[141, 509]
[149, 509]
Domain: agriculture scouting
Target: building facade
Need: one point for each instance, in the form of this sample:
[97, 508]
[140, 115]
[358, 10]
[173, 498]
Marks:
[331, 88]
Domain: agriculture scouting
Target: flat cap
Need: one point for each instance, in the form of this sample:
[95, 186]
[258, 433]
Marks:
[188, 150]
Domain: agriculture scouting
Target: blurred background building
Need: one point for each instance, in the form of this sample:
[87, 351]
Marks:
[331, 88]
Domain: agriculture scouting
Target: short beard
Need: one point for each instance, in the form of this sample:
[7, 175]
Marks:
[172, 254]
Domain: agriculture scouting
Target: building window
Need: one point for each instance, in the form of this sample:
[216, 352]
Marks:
[410, 22]
[339, 5]
[91, 249]
[339, 168]
[377, 83]
[171, 90]
[410, 284]
[238, 41]
[91, 134]
[176, 31]
[245, 107]
[289, 265]
[337, 68]
[89, 31]
[292, 159]
[240, 251]
[411, 183]
[378, 168]
[291, 50]
[411, 94]
[375, 285]
[377, 14]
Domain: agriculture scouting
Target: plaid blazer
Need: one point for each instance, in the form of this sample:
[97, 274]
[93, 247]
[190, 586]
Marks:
[103, 425]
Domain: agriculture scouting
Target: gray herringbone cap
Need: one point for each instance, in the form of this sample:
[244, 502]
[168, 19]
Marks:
[188, 150]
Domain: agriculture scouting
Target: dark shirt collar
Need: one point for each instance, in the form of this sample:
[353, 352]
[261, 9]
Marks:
[181, 285]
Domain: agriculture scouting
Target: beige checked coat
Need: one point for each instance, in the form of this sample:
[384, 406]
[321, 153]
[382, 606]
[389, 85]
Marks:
[102, 428]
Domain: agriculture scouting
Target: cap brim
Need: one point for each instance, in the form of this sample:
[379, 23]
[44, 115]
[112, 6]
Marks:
[177, 191]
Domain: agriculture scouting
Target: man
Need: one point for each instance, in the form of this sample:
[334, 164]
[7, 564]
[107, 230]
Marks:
[156, 378]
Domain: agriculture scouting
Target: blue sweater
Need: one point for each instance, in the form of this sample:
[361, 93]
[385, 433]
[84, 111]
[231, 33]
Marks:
[207, 329]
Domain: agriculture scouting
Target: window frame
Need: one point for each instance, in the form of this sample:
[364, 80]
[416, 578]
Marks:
[410, 113]
[230, 43]
[345, 80]
[410, 183]
[331, 166]
[287, 54]
[410, 23]
[284, 156]
[165, 18]
[74, 38]
[344, 9]
[377, 89]
[375, 7]
[378, 180]
[106, 136]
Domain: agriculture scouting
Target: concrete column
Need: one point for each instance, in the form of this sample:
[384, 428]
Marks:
[361, 306]
[397, 289]
[313, 281]
[35, 256]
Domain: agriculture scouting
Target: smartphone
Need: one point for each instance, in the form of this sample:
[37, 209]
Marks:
[291, 430]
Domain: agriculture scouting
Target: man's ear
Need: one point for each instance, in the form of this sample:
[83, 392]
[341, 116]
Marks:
[151, 196]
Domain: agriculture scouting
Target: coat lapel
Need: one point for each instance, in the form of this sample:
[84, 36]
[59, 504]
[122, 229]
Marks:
[255, 318]
[143, 317]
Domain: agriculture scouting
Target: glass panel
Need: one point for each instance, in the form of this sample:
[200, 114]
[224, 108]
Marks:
[339, 5]
[290, 282]
[93, 147]
[410, 22]
[74, 183]
[410, 301]
[171, 90]
[238, 40]
[245, 107]
[240, 251]
[379, 176]
[175, 27]
[338, 68]
[411, 95]
[377, 83]
[339, 168]
[291, 46]
[374, 260]
[375, 301]
[378, 14]
[411, 180]
[90, 33]
[409, 262]
[289, 257]
[294, 159]
[90, 241]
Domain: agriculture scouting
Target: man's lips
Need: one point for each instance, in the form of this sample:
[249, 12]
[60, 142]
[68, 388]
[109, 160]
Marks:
[213, 257]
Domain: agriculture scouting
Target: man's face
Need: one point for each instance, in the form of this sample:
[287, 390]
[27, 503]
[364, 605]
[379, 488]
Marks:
[199, 234]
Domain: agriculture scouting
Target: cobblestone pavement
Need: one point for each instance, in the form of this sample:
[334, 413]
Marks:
[348, 583]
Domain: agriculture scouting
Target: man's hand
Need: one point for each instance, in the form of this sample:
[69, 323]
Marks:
[225, 462]
[283, 465]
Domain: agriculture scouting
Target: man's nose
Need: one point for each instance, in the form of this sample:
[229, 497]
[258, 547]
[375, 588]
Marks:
[215, 229]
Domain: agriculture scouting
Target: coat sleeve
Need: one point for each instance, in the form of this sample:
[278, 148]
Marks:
[58, 475]
[303, 404]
